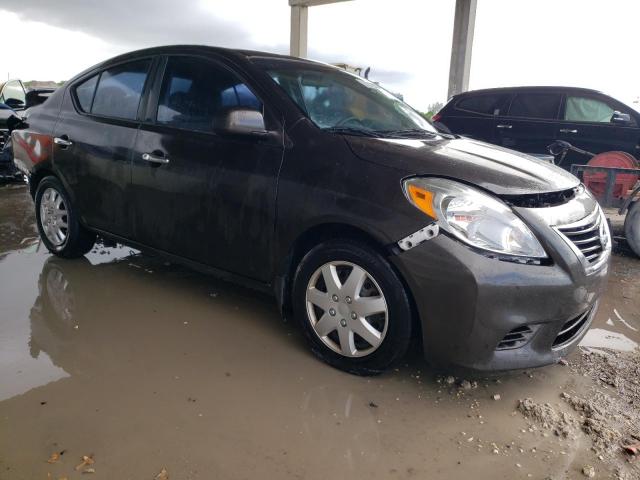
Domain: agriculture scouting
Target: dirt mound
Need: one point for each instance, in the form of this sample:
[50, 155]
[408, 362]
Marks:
[607, 412]
[619, 370]
[544, 414]
[611, 413]
[598, 419]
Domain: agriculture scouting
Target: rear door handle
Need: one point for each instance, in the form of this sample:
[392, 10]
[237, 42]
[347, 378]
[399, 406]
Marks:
[150, 157]
[63, 141]
[568, 130]
[505, 126]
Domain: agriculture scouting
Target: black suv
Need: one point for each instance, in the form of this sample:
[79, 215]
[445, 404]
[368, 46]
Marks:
[296, 177]
[528, 119]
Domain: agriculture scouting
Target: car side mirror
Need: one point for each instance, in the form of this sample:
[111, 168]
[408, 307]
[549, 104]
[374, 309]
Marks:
[620, 118]
[14, 103]
[243, 122]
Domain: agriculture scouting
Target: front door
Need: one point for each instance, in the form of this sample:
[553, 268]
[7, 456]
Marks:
[199, 193]
[588, 123]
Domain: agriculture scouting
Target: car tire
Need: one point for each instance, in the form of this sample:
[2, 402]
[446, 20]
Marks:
[360, 320]
[632, 227]
[58, 223]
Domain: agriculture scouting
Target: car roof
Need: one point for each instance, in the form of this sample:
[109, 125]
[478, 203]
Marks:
[229, 52]
[527, 88]
[237, 54]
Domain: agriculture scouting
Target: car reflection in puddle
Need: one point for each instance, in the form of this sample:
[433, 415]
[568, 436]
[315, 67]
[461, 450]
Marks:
[30, 352]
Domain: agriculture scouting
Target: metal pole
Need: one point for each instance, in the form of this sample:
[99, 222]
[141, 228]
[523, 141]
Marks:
[461, 46]
[300, 22]
[299, 27]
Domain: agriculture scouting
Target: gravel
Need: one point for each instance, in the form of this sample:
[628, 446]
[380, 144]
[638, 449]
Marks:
[561, 423]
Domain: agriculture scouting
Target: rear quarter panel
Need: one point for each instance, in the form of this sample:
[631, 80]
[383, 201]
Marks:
[33, 144]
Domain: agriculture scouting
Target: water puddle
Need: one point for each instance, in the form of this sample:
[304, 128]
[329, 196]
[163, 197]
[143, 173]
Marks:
[601, 338]
[147, 364]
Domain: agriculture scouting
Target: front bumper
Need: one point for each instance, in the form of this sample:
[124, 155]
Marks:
[468, 302]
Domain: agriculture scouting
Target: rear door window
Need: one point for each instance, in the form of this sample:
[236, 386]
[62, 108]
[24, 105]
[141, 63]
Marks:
[120, 90]
[196, 92]
[535, 105]
[84, 93]
[483, 104]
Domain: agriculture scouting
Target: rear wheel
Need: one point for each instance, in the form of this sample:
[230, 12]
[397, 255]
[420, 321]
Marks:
[58, 222]
[352, 307]
[632, 227]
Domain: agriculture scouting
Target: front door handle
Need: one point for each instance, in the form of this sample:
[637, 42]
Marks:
[505, 126]
[63, 141]
[150, 157]
[568, 130]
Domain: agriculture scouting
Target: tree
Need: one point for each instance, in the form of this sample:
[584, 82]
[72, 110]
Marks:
[432, 109]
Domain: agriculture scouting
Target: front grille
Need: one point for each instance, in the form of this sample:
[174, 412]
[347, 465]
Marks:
[516, 338]
[585, 235]
[571, 329]
[3, 138]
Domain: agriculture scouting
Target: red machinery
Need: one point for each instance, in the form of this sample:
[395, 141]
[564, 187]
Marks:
[597, 181]
[612, 177]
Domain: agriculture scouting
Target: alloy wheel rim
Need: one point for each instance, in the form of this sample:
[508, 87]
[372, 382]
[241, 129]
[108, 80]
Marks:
[54, 217]
[347, 309]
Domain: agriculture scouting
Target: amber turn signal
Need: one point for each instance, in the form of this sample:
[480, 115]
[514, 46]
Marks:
[423, 199]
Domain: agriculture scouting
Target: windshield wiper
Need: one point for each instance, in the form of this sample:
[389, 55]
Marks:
[409, 132]
[353, 131]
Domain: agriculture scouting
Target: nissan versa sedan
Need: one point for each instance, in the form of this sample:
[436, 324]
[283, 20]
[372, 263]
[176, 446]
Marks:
[370, 226]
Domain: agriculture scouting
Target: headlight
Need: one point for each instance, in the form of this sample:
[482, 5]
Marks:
[473, 216]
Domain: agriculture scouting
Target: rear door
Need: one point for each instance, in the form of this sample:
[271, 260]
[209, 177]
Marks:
[93, 140]
[474, 115]
[530, 123]
[586, 122]
[205, 195]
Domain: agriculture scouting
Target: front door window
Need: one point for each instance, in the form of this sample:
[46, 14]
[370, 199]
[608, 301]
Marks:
[196, 93]
[588, 109]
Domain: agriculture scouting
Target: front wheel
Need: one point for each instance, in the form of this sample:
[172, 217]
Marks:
[58, 223]
[352, 307]
[632, 227]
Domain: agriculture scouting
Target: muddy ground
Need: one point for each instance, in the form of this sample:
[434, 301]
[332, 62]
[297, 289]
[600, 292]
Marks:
[141, 365]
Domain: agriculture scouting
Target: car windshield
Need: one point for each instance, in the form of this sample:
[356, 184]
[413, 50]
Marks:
[339, 101]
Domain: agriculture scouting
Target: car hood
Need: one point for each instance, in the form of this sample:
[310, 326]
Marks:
[493, 168]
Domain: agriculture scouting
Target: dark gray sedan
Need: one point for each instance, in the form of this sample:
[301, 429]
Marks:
[298, 178]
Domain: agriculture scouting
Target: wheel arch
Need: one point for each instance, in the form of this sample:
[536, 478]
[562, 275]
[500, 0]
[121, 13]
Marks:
[49, 171]
[36, 177]
[315, 235]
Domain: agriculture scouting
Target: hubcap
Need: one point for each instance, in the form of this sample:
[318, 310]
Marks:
[347, 309]
[60, 296]
[53, 217]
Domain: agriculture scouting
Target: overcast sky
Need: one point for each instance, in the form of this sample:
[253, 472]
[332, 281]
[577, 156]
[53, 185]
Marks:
[407, 43]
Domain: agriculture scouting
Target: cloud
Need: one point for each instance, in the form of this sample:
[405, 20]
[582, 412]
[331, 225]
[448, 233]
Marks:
[129, 24]
[92, 31]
